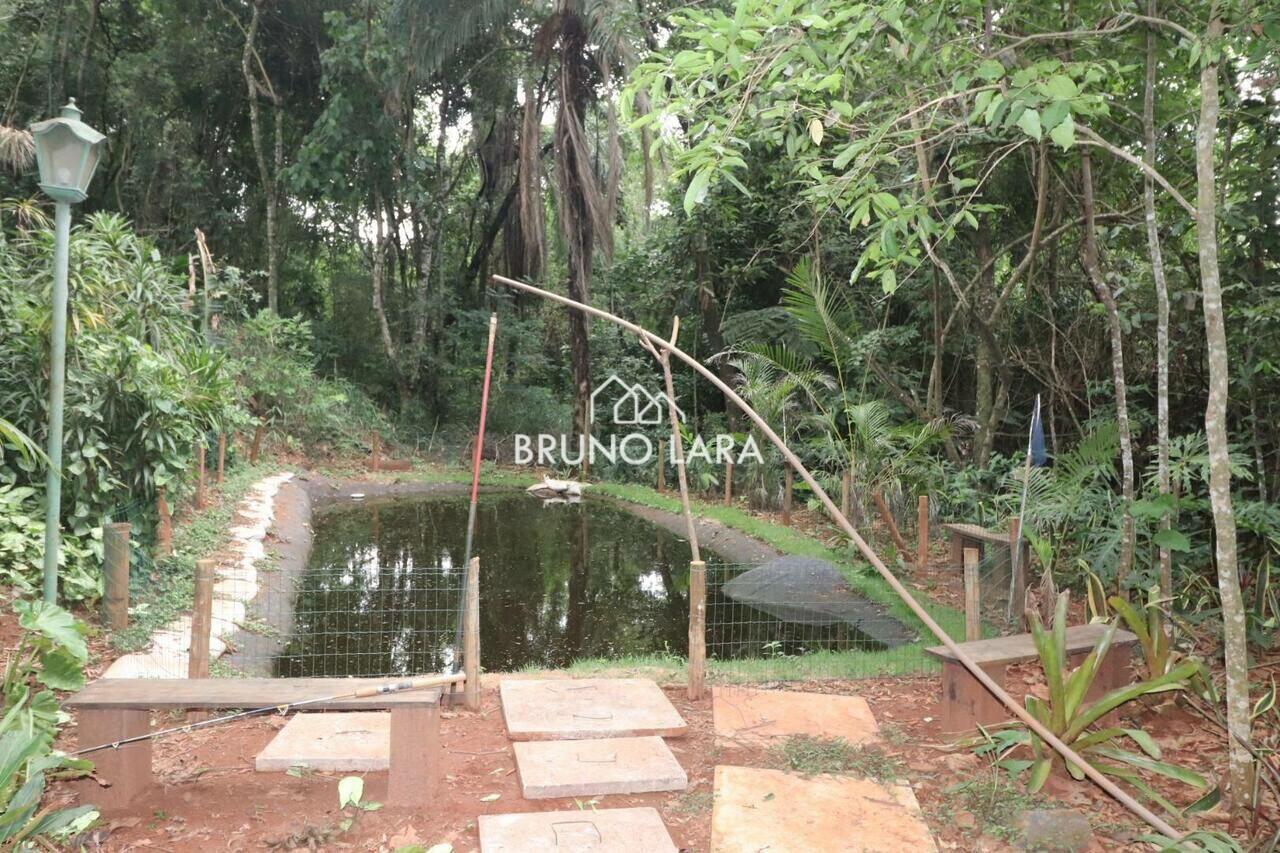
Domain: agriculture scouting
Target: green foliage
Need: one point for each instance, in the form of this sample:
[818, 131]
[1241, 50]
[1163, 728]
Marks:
[811, 756]
[142, 386]
[273, 363]
[50, 655]
[1067, 715]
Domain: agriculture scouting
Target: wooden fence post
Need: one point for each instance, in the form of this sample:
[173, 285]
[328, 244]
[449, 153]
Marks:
[1018, 604]
[662, 470]
[697, 629]
[222, 456]
[788, 480]
[728, 482]
[377, 452]
[201, 625]
[972, 598]
[115, 573]
[200, 474]
[164, 525]
[471, 636]
[922, 532]
[846, 493]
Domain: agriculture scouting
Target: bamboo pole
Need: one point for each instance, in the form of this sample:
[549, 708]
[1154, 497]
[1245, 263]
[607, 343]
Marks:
[972, 598]
[1018, 583]
[922, 532]
[376, 459]
[662, 466]
[728, 482]
[115, 565]
[697, 629]
[471, 639]
[956, 649]
[222, 457]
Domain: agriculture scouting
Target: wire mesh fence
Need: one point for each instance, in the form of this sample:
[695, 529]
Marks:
[796, 618]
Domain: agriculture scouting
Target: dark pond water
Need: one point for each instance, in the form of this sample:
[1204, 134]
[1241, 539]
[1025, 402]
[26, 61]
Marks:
[558, 582]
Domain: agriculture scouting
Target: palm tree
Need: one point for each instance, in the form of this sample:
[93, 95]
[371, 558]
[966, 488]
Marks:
[17, 149]
[577, 49]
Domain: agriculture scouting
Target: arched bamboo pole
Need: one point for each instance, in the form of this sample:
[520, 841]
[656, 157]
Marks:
[1069, 754]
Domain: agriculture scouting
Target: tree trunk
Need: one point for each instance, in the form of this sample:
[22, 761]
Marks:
[1093, 266]
[1235, 651]
[378, 274]
[1162, 299]
[891, 523]
[266, 177]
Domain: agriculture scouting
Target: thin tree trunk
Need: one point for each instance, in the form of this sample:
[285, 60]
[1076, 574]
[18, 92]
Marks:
[266, 178]
[378, 274]
[1093, 266]
[1162, 299]
[1235, 650]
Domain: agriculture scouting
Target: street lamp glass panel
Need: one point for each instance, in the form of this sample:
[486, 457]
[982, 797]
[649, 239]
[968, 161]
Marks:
[67, 151]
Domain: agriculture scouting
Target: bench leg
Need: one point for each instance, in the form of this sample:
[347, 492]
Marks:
[957, 551]
[415, 755]
[966, 704]
[128, 768]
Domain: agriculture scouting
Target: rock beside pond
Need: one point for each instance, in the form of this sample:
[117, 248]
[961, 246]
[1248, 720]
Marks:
[1055, 831]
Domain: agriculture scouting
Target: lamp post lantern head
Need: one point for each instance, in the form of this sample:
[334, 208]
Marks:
[67, 152]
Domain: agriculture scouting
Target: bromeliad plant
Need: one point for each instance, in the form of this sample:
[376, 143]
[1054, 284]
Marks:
[1067, 714]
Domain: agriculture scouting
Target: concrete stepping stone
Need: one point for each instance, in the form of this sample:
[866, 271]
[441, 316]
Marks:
[587, 768]
[340, 741]
[761, 715]
[601, 831]
[573, 709]
[758, 809]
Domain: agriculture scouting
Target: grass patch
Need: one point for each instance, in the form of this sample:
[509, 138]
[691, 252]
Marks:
[160, 590]
[860, 575]
[811, 756]
[694, 803]
[993, 799]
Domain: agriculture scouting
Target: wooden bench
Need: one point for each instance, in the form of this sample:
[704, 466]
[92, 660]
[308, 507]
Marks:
[974, 536]
[113, 709]
[966, 704]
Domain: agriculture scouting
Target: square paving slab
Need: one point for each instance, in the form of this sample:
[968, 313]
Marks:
[782, 813]
[587, 768]
[603, 831]
[744, 714]
[357, 740]
[572, 709]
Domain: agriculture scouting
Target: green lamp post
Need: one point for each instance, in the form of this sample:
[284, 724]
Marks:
[67, 152]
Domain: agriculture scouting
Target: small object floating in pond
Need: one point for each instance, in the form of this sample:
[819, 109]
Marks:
[807, 591]
[550, 488]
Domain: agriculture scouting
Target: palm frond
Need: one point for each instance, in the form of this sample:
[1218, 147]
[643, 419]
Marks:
[17, 148]
[445, 27]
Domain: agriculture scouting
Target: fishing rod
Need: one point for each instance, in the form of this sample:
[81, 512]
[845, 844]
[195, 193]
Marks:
[476, 458]
[964, 658]
[389, 687]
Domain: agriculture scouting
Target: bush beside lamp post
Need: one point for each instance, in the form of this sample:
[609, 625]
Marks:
[67, 153]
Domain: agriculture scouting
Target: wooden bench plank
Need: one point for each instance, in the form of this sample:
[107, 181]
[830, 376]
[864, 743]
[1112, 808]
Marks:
[218, 693]
[1020, 647]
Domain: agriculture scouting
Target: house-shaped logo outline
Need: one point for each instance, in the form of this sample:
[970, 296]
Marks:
[645, 409]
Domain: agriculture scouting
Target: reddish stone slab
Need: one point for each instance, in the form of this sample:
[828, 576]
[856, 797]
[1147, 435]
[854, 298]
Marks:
[588, 768]
[578, 708]
[576, 831]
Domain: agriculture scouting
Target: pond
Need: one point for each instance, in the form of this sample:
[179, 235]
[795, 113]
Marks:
[558, 582]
